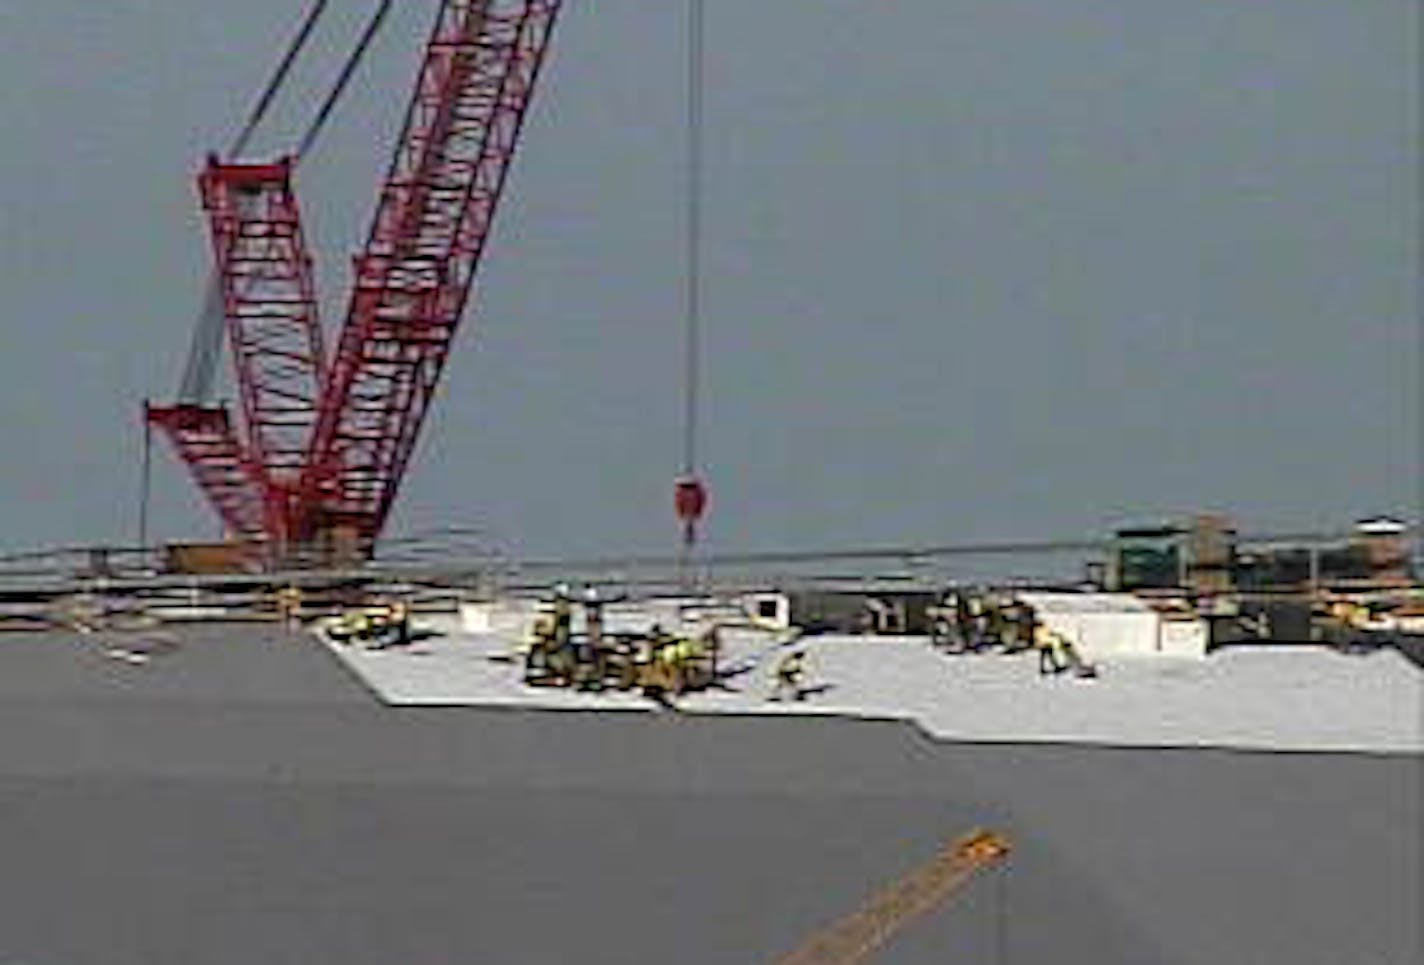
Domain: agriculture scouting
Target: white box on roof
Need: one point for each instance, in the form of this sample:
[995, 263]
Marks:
[1184, 638]
[511, 617]
[1110, 624]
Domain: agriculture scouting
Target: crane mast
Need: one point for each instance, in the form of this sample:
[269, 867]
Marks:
[319, 452]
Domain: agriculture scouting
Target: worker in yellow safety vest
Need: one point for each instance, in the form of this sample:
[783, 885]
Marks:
[687, 653]
[361, 624]
[563, 616]
[1048, 644]
[398, 625]
[289, 606]
[790, 673]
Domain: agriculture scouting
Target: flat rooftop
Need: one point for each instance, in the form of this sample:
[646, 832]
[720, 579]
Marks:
[1276, 698]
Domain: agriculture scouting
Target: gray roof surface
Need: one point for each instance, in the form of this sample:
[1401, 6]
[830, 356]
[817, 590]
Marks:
[258, 806]
[219, 664]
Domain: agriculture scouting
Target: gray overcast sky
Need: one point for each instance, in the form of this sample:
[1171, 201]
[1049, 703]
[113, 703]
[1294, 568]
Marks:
[976, 268]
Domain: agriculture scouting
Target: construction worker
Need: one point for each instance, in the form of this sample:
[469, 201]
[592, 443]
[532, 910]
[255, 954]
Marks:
[593, 617]
[649, 653]
[1008, 623]
[360, 624]
[978, 625]
[658, 673]
[587, 649]
[289, 606]
[622, 662]
[1046, 642]
[944, 627]
[670, 665]
[790, 672]
[541, 630]
[995, 624]
[541, 639]
[688, 654]
[552, 653]
[670, 662]
[702, 652]
[396, 632]
[1024, 622]
[563, 616]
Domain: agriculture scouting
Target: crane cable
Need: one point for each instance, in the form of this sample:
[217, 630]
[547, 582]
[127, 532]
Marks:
[692, 334]
[348, 71]
[279, 78]
[696, 55]
[200, 370]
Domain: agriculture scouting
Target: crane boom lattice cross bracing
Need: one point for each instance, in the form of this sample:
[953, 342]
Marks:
[269, 309]
[429, 232]
[204, 439]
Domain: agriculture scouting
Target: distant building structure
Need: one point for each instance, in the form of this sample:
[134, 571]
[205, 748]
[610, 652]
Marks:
[1146, 558]
[1204, 557]
[1199, 556]
[1211, 554]
[1384, 544]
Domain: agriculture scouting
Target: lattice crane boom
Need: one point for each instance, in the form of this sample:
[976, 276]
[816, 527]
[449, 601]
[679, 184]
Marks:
[250, 471]
[417, 270]
[270, 309]
[204, 438]
[321, 447]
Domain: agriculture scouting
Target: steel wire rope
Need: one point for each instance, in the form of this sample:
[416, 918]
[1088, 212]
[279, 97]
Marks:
[343, 80]
[692, 251]
[696, 76]
[200, 369]
[279, 77]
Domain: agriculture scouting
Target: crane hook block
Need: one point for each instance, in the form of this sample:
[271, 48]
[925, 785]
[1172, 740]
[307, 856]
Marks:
[689, 499]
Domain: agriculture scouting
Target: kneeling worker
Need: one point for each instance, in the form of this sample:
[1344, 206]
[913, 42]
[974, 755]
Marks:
[790, 672]
[1046, 642]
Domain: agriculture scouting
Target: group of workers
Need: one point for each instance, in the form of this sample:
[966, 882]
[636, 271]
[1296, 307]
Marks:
[967, 622]
[1349, 625]
[659, 663]
[662, 665]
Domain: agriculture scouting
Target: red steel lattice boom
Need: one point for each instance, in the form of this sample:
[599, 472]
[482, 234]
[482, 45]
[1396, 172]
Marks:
[323, 448]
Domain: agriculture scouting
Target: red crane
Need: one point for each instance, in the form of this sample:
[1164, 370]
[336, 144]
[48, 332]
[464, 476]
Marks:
[315, 459]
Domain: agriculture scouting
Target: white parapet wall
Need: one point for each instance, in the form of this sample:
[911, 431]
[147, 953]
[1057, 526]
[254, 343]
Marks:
[1184, 637]
[1117, 625]
[506, 617]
